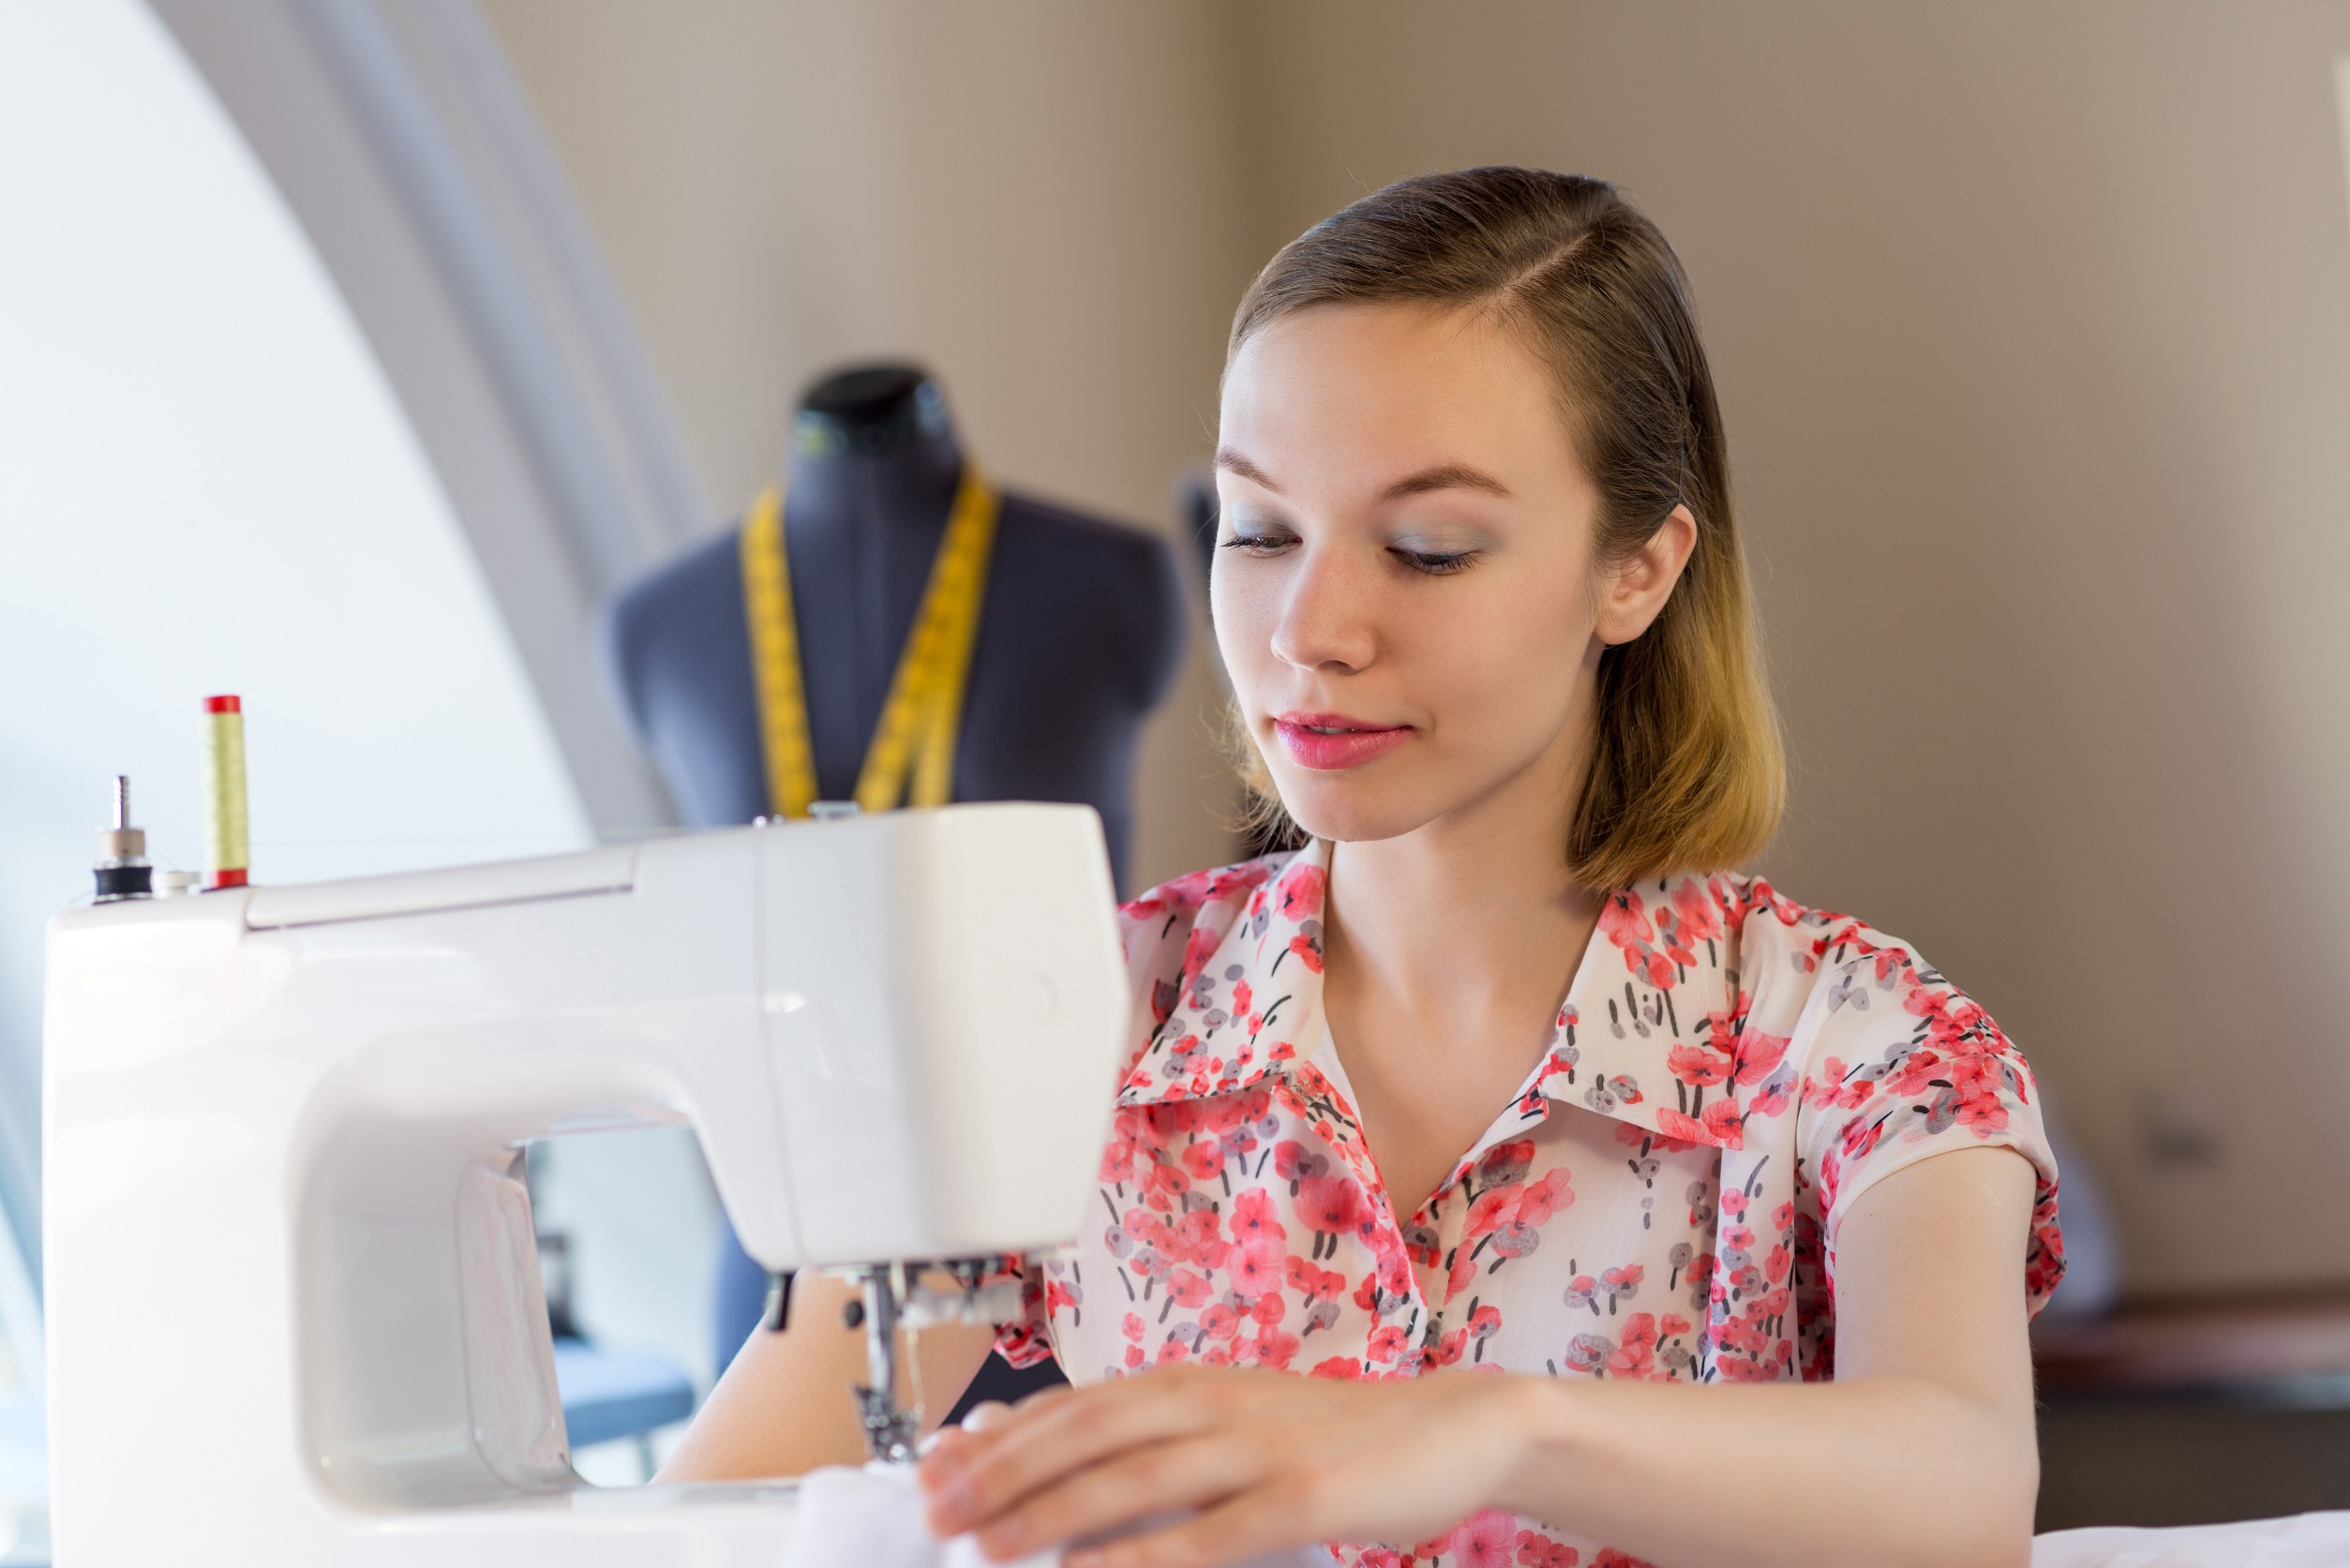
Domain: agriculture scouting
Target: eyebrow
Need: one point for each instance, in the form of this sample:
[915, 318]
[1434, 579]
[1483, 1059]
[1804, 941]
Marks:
[1446, 476]
[1443, 476]
[1229, 460]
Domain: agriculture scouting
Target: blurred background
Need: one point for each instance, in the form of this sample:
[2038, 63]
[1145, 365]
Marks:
[354, 353]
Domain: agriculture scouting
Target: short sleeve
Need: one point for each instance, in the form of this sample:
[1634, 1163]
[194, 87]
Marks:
[1903, 1067]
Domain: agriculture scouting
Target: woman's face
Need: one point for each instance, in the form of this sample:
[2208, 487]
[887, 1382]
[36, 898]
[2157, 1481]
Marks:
[1403, 589]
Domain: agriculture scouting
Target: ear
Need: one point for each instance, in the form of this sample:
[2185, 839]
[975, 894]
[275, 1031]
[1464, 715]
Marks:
[1634, 594]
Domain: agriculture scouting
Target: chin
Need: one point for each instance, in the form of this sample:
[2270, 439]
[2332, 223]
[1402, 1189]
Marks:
[1350, 811]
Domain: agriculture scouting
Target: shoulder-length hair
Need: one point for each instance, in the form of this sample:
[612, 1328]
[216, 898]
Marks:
[1687, 771]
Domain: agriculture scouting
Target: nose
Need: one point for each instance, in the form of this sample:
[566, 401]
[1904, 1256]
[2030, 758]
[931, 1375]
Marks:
[1328, 620]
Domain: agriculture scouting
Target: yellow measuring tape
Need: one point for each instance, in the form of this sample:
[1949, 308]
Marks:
[923, 714]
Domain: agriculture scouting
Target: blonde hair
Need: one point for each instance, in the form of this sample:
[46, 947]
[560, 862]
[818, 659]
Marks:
[1686, 770]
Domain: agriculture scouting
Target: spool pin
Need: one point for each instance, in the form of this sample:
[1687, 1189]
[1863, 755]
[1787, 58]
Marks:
[121, 870]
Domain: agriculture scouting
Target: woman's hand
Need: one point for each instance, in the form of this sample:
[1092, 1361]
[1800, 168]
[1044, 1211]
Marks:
[1256, 1461]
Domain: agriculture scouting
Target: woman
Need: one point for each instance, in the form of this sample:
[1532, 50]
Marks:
[1568, 1166]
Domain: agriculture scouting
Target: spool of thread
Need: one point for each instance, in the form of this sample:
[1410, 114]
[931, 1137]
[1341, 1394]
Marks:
[227, 854]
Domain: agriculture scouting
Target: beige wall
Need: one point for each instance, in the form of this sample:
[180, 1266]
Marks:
[1034, 199]
[2033, 326]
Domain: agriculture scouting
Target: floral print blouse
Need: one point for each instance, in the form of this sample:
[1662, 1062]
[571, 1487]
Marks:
[1660, 1200]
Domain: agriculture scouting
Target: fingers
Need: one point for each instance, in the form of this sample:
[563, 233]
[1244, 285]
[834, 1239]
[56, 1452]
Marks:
[979, 1418]
[975, 1476]
[986, 1415]
[1251, 1525]
[1140, 1483]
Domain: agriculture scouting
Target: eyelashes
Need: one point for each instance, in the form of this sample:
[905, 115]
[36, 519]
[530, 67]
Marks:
[1431, 563]
[1439, 565]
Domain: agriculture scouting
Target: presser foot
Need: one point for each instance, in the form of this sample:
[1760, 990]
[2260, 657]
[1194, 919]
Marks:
[909, 1296]
[889, 1430]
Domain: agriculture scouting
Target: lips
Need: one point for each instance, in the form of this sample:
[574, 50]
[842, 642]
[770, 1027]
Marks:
[1329, 742]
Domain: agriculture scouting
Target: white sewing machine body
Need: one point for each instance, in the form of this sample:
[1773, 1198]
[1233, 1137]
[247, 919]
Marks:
[295, 1313]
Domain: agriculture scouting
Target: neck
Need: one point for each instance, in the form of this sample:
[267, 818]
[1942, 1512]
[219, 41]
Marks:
[1477, 907]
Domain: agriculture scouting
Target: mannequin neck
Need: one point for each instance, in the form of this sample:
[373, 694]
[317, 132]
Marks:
[873, 452]
[909, 486]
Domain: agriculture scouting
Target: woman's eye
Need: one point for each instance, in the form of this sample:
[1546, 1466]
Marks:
[1437, 563]
[1258, 544]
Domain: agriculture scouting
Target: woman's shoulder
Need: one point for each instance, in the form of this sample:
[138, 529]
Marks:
[1778, 943]
[1218, 891]
[1833, 991]
[1175, 928]
[1211, 903]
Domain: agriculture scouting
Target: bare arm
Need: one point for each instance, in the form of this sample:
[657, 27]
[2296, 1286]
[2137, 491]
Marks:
[1920, 1453]
[783, 1407]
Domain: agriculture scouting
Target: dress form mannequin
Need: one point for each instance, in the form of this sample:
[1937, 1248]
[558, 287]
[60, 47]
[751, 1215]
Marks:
[1079, 637]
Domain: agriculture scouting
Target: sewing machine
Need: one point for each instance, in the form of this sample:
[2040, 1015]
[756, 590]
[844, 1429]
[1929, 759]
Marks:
[294, 1310]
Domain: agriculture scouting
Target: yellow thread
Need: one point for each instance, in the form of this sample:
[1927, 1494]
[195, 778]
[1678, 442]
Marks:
[226, 848]
[922, 717]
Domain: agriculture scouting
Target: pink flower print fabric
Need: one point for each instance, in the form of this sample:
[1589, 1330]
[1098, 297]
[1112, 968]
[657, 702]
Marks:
[1659, 1201]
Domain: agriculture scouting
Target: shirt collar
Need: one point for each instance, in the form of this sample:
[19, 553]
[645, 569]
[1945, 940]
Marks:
[1656, 979]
